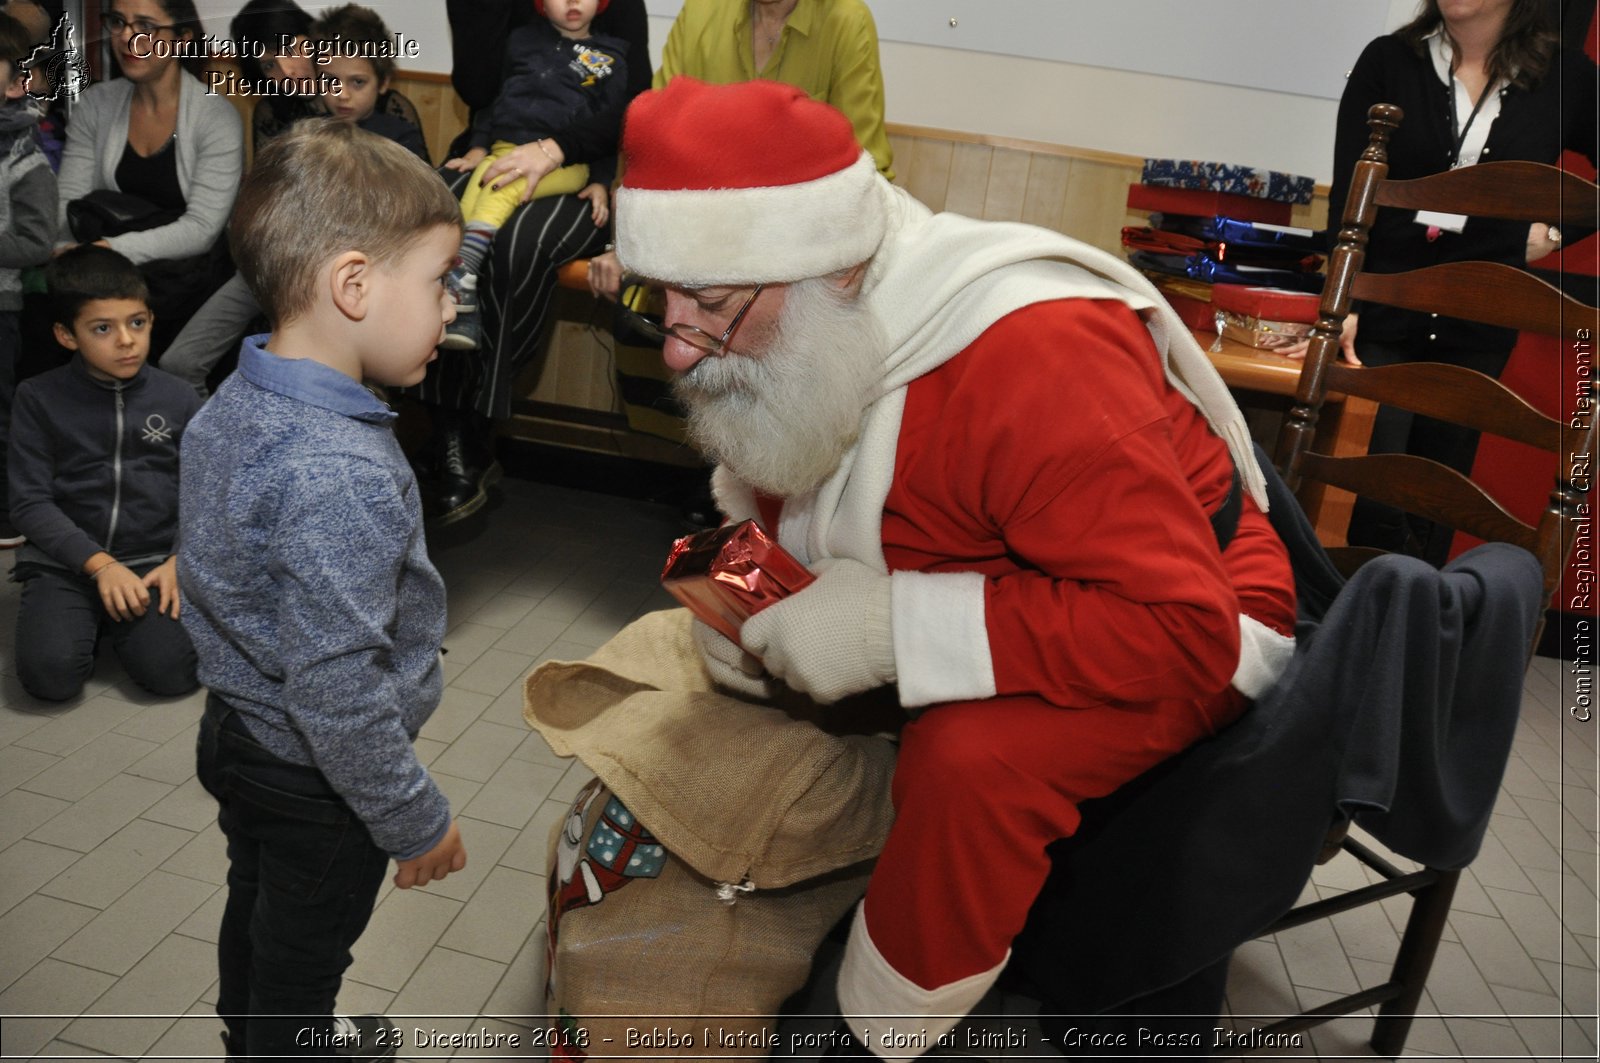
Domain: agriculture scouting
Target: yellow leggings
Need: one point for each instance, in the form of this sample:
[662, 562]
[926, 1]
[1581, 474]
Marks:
[479, 204]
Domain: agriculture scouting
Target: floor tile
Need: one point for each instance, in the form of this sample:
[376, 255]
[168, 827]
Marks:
[530, 850]
[466, 642]
[15, 723]
[188, 807]
[75, 728]
[457, 710]
[205, 922]
[1499, 956]
[18, 765]
[164, 985]
[536, 749]
[172, 762]
[1534, 925]
[117, 865]
[42, 1003]
[515, 792]
[21, 812]
[446, 993]
[166, 720]
[26, 865]
[85, 769]
[494, 671]
[205, 858]
[479, 752]
[500, 917]
[404, 927]
[121, 936]
[519, 998]
[485, 843]
[1456, 985]
[504, 610]
[33, 929]
[195, 1035]
[95, 818]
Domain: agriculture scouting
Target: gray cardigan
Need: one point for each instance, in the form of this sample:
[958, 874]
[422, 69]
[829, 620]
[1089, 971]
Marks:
[210, 145]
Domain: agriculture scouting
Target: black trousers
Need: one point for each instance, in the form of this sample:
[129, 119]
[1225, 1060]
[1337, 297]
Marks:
[303, 874]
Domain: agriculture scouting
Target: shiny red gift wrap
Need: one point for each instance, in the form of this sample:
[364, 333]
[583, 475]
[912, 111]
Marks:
[727, 575]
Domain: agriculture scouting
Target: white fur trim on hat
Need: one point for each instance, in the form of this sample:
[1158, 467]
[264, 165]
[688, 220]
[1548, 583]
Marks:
[769, 235]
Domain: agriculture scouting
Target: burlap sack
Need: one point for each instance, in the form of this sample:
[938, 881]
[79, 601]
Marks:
[748, 805]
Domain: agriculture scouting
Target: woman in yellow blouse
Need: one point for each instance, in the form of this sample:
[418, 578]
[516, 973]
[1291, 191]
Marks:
[829, 48]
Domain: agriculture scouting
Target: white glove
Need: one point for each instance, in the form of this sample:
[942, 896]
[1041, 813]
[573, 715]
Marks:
[730, 666]
[831, 639]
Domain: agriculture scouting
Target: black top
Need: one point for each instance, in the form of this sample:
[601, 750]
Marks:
[153, 178]
[1534, 125]
[553, 86]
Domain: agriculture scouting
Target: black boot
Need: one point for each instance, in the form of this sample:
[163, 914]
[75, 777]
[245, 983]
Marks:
[457, 489]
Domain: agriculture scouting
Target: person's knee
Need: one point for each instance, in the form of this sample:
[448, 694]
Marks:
[53, 673]
[166, 668]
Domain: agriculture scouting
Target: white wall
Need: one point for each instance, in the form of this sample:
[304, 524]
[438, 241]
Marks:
[1035, 99]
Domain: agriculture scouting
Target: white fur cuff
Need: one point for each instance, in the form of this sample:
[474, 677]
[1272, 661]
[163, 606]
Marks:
[1263, 655]
[941, 642]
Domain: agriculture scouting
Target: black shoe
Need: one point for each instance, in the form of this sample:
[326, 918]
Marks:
[458, 490]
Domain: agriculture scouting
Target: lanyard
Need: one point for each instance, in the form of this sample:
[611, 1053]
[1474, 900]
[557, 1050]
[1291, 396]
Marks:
[1461, 137]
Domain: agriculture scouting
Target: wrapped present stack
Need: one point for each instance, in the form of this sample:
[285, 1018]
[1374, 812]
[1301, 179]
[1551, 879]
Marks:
[1218, 232]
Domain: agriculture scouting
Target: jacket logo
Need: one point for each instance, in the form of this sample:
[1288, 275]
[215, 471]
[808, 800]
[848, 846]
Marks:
[156, 430]
[595, 65]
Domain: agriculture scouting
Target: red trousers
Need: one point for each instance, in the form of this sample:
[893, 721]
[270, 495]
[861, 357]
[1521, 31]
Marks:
[980, 789]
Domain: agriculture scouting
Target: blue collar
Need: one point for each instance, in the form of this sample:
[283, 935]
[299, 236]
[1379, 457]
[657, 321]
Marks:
[310, 382]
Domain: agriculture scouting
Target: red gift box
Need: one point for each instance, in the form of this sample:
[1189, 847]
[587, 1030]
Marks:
[1268, 304]
[1196, 201]
[726, 575]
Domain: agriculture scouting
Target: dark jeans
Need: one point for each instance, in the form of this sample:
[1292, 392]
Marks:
[1396, 431]
[61, 619]
[303, 874]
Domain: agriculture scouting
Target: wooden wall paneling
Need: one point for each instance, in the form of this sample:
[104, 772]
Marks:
[926, 173]
[1045, 195]
[1008, 180]
[969, 179]
[1095, 208]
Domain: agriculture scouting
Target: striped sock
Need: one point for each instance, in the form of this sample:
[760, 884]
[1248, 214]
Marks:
[475, 243]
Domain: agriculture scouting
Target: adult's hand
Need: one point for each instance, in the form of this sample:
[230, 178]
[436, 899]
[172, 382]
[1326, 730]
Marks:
[605, 275]
[532, 161]
[1347, 343]
[124, 594]
[731, 666]
[833, 638]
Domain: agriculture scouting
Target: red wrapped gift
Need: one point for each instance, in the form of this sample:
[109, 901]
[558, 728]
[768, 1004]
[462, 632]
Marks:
[727, 575]
[1196, 201]
[1268, 304]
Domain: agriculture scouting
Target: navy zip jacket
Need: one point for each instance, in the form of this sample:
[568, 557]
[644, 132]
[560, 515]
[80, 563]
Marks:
[552, 84]
[94, 465]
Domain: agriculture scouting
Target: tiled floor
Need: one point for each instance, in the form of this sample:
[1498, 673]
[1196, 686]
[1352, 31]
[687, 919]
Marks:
[111, 864]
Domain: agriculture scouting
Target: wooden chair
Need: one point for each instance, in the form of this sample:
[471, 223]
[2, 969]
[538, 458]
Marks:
[1479, 291]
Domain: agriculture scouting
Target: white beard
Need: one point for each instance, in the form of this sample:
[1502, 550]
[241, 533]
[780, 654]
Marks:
[781, 417]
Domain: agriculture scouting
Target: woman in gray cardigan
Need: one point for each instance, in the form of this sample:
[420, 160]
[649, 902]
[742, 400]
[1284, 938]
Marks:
[155, 133]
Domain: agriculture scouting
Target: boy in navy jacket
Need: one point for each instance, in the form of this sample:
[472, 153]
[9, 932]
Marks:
[94, 487]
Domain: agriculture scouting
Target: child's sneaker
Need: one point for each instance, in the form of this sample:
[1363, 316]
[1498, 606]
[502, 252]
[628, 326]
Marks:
[462, 333]
[365, 1037]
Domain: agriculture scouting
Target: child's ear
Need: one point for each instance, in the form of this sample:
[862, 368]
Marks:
[384, 83]
[15, 81]
[64, 336]
[349, 278]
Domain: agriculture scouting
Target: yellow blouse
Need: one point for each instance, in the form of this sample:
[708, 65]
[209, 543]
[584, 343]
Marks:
[829, 48]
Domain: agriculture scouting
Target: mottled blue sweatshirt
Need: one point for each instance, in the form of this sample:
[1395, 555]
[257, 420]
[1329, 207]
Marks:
[307, 588]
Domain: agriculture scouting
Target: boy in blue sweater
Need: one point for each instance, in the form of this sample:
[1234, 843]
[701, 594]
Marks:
[307, 587]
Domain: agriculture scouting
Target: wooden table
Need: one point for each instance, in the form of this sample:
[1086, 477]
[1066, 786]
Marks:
[1343, 429]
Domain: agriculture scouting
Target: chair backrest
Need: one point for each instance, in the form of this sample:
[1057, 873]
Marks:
[1488, 292]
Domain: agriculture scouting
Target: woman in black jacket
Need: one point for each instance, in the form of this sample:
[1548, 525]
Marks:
[1478, 80]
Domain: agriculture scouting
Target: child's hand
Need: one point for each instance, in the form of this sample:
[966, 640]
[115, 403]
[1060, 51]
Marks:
[122, 593]
[164, 578]
[598, 196]
[605, 275]
[449, 855]
[468, 162]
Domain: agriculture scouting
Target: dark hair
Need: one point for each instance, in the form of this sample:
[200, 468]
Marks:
[361, 25]
[184, 19]
[86, 273]
[1527, 44]
[321, 189]
[16, 43]
[260, 27]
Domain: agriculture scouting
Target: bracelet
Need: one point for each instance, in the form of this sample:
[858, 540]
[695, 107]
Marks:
[540, 145]
[102, 568]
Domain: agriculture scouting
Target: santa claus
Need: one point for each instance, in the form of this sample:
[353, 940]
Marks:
[1030, 502]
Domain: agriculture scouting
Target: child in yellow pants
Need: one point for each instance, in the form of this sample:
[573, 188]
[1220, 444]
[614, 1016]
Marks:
[559, 76]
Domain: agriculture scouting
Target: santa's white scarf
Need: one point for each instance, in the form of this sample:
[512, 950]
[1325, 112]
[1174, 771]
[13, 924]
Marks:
[936, 284]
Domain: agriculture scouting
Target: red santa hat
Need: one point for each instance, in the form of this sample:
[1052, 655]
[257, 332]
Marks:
[742, 184]
[538, 5]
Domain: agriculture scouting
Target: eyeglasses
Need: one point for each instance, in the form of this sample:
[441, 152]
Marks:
[116, 23]
[694, 337]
